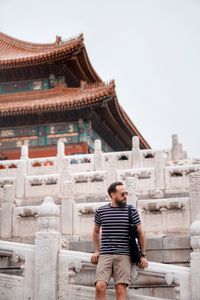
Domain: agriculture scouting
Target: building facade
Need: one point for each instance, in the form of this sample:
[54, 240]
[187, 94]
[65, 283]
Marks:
[50, 92]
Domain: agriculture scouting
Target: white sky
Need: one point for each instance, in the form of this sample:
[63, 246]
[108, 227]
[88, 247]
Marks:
[150, 47]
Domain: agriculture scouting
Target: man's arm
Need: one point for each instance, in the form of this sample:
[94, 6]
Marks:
[142, 241]
[96, 241]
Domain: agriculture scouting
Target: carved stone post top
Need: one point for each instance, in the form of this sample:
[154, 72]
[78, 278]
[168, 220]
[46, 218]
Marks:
[131, 183]
[135, 142]
[8, 186]
[174, 139]
[195, 175]
[97, 145]
[48, 208]
[195, 227]
[24, 151]
[60, 148]
[8, 191]
[159, 155]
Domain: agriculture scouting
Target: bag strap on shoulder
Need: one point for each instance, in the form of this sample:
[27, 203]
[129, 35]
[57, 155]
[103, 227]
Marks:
[129, 214]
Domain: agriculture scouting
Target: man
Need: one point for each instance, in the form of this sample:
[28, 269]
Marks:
[113, 257]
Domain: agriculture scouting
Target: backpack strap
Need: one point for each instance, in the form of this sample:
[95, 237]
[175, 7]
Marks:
[129, 214]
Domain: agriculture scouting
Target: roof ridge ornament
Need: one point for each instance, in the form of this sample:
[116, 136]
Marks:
[58, 40]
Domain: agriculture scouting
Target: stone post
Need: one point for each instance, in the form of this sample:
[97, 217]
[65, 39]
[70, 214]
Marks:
[60, 149]
[130, 184]
[175, 148]
[22, 171]
[67, 208]
[24, 152]
[112, 173]
[136, 152]
[194, 179]
[159, 172]
[183, 154]
[195, 259]
[47, 246]
[98, 156]
[62, 163]
[6, 211]
[60, 156]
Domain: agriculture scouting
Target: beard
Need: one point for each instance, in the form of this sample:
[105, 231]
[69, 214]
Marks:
[121, 203]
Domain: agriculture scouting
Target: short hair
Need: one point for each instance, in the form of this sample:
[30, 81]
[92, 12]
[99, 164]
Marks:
[112, 187]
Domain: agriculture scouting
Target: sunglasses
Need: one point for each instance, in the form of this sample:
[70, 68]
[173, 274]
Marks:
[124, 194]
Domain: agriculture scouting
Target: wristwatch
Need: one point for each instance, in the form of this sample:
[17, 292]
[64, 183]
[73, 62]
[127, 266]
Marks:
[143, 254]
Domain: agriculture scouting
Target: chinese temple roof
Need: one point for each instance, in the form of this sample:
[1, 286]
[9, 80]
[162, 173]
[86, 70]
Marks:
[99, 96]
[15, 53]
[82, 91]
[58, 98]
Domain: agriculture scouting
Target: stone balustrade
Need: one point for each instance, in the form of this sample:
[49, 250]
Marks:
[45, 262]
[156, 172]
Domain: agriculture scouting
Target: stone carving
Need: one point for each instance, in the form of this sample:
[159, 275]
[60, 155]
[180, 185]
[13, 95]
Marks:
[43, 180]
[48, 214]
[135, 152]
[140, 174]
[8, 193]
[87, 211]
[28, 212]
[172, 279]
[194, 180]
[162, 206]
[157, 194]
[5, 181]
[175, 148]
[63, 279]
[66, 244]
[47, 245]
[195, 235]
[24, 152]
[131, 183]
[60, 148]
[92, 177]
[83, 160]
[159, 172]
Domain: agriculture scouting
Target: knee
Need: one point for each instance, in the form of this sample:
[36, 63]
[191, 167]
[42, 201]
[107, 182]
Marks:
[120, 289]
[101, 286]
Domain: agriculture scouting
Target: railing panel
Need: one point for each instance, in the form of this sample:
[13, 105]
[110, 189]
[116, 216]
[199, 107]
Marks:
[42, 185]
[42, 166]
[11, 287]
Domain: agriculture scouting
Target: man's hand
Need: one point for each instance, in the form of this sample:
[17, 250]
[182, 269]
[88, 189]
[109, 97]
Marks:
[143, 263]
[94, 258]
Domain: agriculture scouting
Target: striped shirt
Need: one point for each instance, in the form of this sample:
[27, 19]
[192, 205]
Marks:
[114, 222]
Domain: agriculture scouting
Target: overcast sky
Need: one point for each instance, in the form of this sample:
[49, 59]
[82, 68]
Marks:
[150, 47]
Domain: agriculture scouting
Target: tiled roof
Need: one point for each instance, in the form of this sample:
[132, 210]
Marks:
[58, 98]
[14, 51]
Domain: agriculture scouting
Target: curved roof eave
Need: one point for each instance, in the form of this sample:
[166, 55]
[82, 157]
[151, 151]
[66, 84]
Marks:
[16, 53]
[124, 119]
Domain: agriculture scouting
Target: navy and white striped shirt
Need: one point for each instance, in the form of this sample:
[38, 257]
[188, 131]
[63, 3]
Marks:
[114, 222]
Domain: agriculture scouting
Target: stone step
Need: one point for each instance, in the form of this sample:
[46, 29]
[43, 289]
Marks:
[88, 293]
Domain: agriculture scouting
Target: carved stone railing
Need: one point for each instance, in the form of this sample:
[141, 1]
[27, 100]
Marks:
[41, 185]
[157, 172]
[18, 287]
[79, 263]
[87, 183]
[67, 270]
[165, 216]
[11, 287]
[41, 166]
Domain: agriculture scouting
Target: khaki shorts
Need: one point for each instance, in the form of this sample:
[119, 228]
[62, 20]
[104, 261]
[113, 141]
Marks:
[116, 266]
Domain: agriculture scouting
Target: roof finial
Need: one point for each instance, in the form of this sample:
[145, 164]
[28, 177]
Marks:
[58, 40]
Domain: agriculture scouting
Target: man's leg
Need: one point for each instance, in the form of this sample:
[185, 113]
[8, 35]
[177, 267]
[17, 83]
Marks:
[120, 290]
[101, 290]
